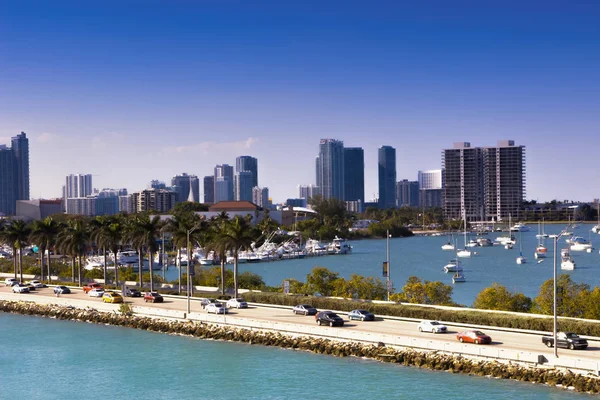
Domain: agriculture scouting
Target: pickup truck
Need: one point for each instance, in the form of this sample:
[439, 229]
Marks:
[566, 340]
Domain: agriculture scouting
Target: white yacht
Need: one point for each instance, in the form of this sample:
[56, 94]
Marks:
[566, 262]
[452, 266]
[313, 246]
[519, 227]
[465, 253]
[339, 246]
[127, 257]
[580, 244]
[448, 246]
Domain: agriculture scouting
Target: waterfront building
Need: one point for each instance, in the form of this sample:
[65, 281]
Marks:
[504, 180]
[223, 183]
[160, 200]
[354, 174]
[39, 209]
[407, 193]
[187, 187]
[330, 169]
[249, 164]
[14, 173]
[430, 188]
[483, 184]
[387, 177]
[260, 197]
[307, 191]
[8, 193]
[243, 186]
[209, 189]
[20, 150]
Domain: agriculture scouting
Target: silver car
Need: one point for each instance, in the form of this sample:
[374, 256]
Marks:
[432, 326]
[216, 308]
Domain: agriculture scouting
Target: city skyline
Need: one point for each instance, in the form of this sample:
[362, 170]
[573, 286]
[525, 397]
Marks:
[94, 88]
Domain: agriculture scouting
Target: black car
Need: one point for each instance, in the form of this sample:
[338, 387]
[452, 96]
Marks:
[129, 292]
[62, 290]
[329, 318]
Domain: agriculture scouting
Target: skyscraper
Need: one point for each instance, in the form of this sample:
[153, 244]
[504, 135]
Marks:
[223, 183]
[307, 191]
[354, 174]
[181, 185]
[387, 177]
[431, 186]
[8, 192]
[463, 180]
[209, 189]
[503, 179]
[330, 169]
[78, 185]
[260, 196]
[20, 149]
[243, 186]
[407, 193]
[250, 164]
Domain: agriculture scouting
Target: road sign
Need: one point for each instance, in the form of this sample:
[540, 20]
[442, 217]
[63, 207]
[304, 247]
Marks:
[286, 287]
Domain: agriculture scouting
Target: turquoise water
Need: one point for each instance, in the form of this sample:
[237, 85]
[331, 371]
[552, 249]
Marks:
[423, 257]
[50, 359]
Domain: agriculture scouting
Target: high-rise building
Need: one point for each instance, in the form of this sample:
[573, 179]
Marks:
[431, 186]
[250, 164]
[8, 192]
[307, 191]
[78, 185]
[260, 196]
[483, 183]
[407, 193]
[209, 189]
[387, 177]
[14, 174]
[243, 186]
[156, 184]
[330, 169]
[20, 149]
[124, 204]
[152, 199]
[82, 206]
[223, 183]
[503, 180]
[354, 174]
[185, 184]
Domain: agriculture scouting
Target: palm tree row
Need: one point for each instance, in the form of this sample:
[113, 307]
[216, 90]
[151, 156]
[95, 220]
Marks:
[78, 236]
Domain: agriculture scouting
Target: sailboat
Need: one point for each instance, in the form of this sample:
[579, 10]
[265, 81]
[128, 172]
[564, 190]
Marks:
[541, 234]
[450, 244]
[458, 277]
[596, 229]
[540, 250]
[507, 241]
[465, 253]
[521, 259]
[452, 266]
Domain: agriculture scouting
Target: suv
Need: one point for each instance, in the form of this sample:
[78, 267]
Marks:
[329, 318]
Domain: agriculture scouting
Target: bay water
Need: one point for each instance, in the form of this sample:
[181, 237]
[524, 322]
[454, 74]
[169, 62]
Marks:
[44, 358]
[422, 256]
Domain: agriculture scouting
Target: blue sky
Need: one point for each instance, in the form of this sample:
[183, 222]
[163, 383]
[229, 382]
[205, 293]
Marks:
[137, 90]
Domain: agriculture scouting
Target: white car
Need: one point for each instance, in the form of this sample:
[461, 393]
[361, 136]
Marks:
[37, 284]
[217, 308]
[237, 303]
[432, 326]
[96, 293]
[10, 281]
[20, 288]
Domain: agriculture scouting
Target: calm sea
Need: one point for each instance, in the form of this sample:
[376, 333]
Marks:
[423, 257]
[50, 359]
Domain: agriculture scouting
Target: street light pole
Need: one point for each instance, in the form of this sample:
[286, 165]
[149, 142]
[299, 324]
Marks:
[389, 270]
[187, 250]
[555, 291]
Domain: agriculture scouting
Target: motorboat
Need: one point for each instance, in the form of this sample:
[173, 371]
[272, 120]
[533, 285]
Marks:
[579, 244]
[566, 262]
[506, 240]
[452, 266]
[519, 227]
[540, 251]
[472, 243]
[340, 246]
[484, 242]
[127, 257]
[314, 247]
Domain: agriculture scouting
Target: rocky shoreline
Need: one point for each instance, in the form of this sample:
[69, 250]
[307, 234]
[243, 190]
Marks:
[430, 360]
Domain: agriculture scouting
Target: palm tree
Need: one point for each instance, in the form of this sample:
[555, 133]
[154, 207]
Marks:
[178, 227]
[73, 240]
[111, 238]
[237, 236]
[97, 227]
[144, 234]
[17, 234]
[213, 240]
[44, 234]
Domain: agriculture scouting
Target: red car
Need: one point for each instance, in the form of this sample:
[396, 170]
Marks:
[153, 297]
[91, 286]
[476, 337]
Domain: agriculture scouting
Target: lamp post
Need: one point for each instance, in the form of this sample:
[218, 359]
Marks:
[555, 291]
[189, 278]
[387, 236]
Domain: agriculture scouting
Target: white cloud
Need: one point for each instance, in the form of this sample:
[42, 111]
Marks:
[210, 147]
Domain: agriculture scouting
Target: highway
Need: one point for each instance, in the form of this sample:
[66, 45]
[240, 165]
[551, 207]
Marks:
[501, 340]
